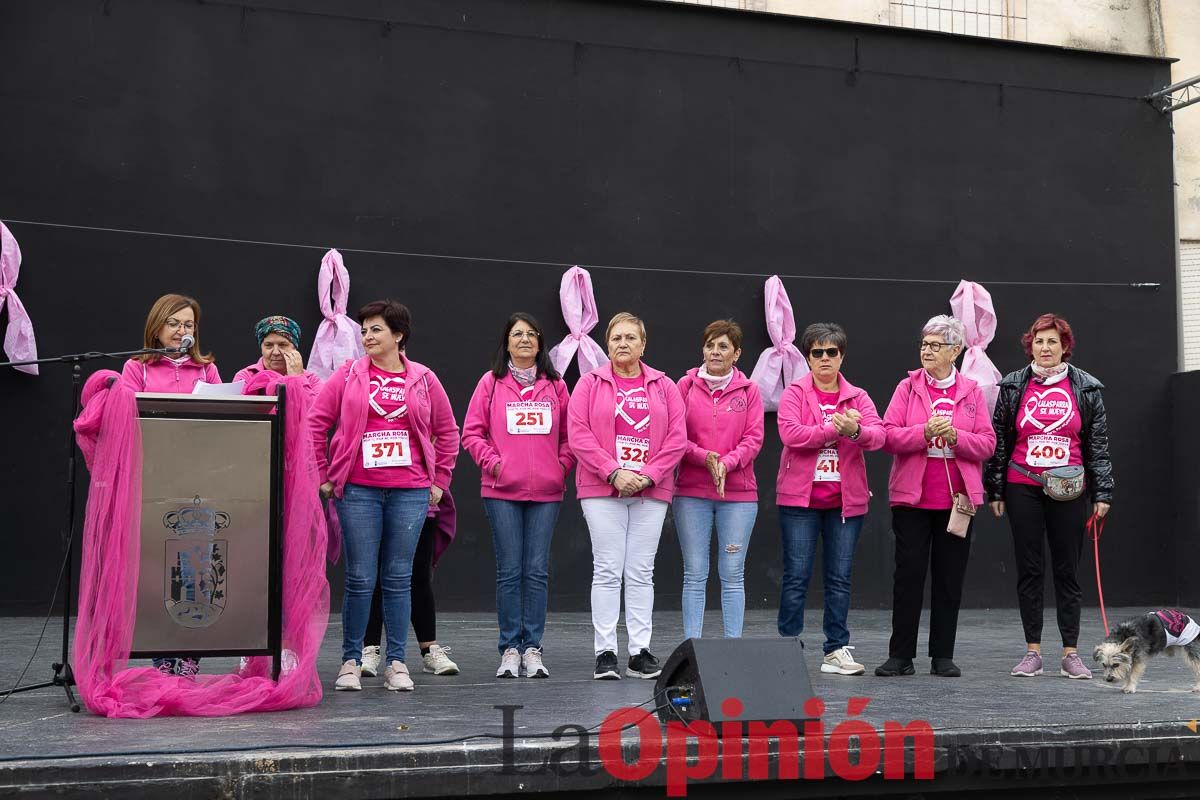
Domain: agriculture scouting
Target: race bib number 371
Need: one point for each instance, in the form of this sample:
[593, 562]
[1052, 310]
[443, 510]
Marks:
[528, 417]
[386, 449]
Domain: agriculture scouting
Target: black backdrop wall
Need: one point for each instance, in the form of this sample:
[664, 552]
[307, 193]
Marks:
[692, 151]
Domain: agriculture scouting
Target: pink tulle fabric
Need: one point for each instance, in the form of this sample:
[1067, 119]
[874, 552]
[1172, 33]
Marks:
[972, 304]
[781, 364]
[19, 343]
[109, 436]
[578, 303]
[338, 337]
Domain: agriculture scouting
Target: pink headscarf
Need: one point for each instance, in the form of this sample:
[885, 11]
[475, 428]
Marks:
[19, 343]
[781, 364]
[579, 312]
[110, 437]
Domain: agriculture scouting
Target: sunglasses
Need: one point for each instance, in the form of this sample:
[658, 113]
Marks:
[832, 352]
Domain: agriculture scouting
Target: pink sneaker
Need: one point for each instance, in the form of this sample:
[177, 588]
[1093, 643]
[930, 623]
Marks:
[1031, 665]
[1073, 667]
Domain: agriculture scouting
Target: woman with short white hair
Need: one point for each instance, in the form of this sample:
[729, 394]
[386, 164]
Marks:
[940, 434]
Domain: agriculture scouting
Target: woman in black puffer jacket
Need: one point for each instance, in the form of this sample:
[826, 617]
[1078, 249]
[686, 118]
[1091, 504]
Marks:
[1049, 414]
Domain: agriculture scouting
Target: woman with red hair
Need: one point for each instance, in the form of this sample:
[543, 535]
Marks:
[1049, 422]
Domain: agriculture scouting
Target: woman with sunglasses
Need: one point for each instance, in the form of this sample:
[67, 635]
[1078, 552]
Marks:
[516, 431]
[826, 423]
[940, 436]
[171, 318]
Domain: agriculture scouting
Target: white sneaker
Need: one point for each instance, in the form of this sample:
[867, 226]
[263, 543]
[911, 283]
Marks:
[395, 677]
[370, 661]
[531, 660]
[437, 662]
[510, 664]
[840, 662]
[348, 679]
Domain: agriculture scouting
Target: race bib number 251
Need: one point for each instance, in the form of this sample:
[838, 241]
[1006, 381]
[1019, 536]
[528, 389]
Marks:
[528, 417]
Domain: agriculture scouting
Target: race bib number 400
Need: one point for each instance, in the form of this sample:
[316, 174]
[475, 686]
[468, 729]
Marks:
[386, 449]
[1047, 451]
[632, 452]
[529, 417]
[828, 467]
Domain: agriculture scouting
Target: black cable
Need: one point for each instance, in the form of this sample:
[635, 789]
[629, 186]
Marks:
[45, 624]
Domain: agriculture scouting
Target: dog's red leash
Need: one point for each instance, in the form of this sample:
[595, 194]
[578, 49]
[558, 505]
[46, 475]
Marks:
[1095, 527]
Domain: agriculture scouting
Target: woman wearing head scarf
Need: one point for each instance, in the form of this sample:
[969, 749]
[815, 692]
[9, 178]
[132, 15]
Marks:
[279, 340]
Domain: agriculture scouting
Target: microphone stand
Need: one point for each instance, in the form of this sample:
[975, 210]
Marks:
[63, 675]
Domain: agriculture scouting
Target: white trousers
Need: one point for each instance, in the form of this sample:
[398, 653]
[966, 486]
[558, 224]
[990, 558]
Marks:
[625, 534]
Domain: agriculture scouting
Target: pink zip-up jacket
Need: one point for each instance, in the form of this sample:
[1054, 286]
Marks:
[312, 383]
[533, 467]
[804, 435]
[904, 422]
[591, 431]
[342, 407]
[166, 377]
[731, 427]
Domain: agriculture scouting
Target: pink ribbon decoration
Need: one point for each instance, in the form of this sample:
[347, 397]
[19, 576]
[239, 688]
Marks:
[781, 364]
[19, 343]
[338, 338]
[579, 312]
[972, 304]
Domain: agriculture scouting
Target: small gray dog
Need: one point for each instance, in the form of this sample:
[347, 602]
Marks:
[1127, 651]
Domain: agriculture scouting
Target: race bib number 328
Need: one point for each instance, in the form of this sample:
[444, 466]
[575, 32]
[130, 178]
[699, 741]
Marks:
[632, 452]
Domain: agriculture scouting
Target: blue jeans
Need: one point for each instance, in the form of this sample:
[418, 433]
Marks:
[801, 527]
[694, 518]
[380, 531]
[521, 534]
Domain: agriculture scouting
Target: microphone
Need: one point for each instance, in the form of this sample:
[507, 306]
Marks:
[186, 343]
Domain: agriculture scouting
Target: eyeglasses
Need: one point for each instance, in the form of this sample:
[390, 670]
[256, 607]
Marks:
[523, 335]
[173, 325]
[935, 347]
[832, 352]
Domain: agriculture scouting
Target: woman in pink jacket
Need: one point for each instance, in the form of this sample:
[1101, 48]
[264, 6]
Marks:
[172, 317]
[625, 424]
[940, 433]
[516, 431]
[391, 455]
[279, 340]
[826, 424]
[716, 477]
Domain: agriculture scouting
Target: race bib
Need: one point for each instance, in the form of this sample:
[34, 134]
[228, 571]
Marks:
[939, 449]
[528, 417]
[386, 449]
[828, 467]
[632, 452]
[1047, 451]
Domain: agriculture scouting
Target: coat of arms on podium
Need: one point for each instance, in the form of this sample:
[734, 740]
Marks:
[195, 572]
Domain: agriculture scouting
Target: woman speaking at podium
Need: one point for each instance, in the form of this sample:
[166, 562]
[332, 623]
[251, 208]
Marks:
[392, 451]
[172, 319]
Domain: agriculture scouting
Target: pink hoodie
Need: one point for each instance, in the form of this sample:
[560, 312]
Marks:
[312, 383]
[533, 467]
[591, 429]
[164, 376]
[731, 427]
[342, 407]
[804, 435]
[904, 422]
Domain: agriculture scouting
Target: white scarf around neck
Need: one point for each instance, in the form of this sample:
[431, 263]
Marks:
[1051, 376]
[944, 383]
[714, 383]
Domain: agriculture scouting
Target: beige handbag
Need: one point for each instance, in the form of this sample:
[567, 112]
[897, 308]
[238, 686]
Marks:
[961, 511]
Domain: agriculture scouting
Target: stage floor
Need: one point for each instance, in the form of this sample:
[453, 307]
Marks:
[990, 727]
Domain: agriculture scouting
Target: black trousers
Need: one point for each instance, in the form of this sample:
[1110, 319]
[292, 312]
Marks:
[1035, 519]
[424, 613]
[922, 545]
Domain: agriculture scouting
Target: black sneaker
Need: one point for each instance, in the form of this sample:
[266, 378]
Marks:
[643, 665]
[945, 668]
[606, 667]
[894, 667]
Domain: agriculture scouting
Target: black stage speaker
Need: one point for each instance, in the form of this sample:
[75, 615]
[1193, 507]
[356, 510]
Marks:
[768, 676]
